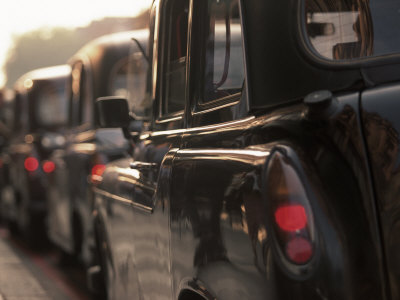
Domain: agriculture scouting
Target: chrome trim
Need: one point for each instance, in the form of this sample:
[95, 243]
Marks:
[140, 165]
[166, 118]
[138, 206]
[216, 104]
[85, 136]
[255, 157]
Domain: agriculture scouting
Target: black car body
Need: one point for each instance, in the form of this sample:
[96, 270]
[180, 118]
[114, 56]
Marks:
[6, 116]
[98, 69]
[283, 186]
[39, 116]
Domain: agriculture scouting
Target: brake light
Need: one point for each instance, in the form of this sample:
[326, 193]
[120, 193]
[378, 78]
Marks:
[290, 208]
[299, 250]
[48, 166]
[97, 172]
[31, 164]
[291, 218]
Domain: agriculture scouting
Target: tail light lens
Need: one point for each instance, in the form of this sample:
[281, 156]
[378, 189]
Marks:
[97, 172]
[48, 166]
[31, 164]
[292, 217]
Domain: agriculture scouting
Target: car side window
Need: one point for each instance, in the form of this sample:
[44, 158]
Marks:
[224, 67]
[175, 45]
[75, 110]
[20, 116]
[139, 101]
[80, 100]
[118, 79]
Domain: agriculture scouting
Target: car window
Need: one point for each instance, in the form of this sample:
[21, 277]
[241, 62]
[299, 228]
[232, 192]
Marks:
[81, 105]
[75, 117]
[344, 30]
[175, 45]
[139, 101]
[20, 115]
[51, 108]
[118, 79]
[224, 68]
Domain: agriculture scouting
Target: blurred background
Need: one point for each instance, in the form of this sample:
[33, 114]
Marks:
[36, 34]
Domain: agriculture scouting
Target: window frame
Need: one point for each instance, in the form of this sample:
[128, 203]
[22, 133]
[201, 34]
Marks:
[81, 103]
[162, 120]
[193, 107]
[199, 107]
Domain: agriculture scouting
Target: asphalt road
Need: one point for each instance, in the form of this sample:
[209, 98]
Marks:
[61, 278]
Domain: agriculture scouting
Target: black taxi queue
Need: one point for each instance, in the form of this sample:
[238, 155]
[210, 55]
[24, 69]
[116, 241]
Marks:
[237, 149]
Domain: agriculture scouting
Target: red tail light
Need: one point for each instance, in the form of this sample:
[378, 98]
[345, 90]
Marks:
[48, 166]
[299, 250]
[292, 216]
[97, 172]
[31, 164]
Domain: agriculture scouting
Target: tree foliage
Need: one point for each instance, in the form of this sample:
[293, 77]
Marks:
[40, 48]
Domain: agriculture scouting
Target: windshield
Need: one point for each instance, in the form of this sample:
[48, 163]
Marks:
[351, 29]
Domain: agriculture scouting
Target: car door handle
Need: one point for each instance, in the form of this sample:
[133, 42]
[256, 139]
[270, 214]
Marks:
[140, 165]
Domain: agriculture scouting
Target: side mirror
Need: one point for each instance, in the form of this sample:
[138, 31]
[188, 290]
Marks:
[113, 112]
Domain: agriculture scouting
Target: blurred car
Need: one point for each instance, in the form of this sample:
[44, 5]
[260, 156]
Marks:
[37, 120]
[282, 185]
[6, 97]
[98, 69]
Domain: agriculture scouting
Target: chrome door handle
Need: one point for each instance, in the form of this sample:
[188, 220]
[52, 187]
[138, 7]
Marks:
[140, 165]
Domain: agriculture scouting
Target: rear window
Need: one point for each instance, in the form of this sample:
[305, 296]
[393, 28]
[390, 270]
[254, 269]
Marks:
[51, 108]
[351, 29]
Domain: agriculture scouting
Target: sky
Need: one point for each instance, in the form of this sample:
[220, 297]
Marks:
[19, 16]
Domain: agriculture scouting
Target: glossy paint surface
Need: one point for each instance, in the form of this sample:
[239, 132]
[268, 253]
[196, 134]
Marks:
[97, 71]
[190, 214]
[208, 206]
[380, 108]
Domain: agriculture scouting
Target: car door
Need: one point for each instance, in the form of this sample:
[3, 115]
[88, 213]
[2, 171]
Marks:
[380, 108]
[133, 209]
[70, 172]
[217, 226]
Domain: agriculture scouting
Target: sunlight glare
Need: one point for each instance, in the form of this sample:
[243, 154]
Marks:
[19, 16]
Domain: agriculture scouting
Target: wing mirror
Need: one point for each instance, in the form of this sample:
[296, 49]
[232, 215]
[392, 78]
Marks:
[113, 112]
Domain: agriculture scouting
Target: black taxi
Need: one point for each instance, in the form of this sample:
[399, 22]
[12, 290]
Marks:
[266, 167]
[98, 69]
[37, 119]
